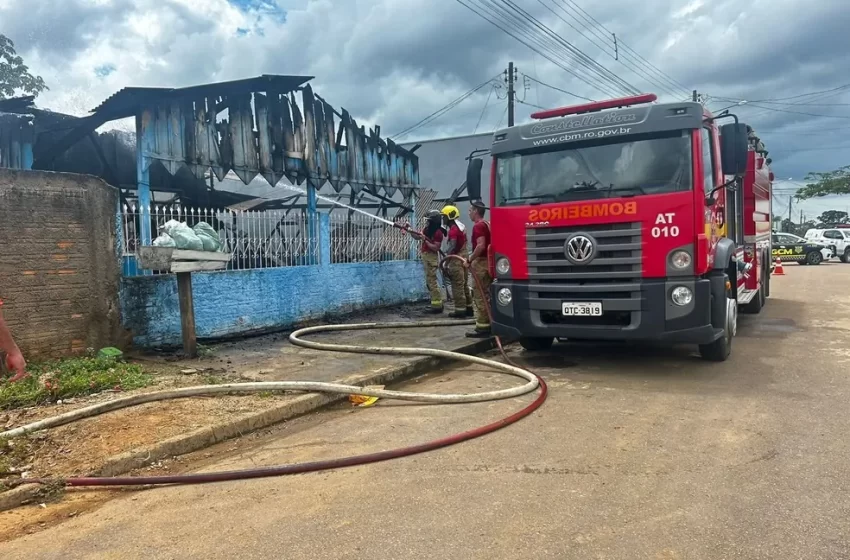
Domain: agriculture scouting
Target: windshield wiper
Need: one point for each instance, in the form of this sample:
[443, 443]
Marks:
[611, 189]
[584, 186]
[534, 198]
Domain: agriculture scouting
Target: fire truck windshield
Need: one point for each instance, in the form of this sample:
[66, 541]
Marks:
[640, 165]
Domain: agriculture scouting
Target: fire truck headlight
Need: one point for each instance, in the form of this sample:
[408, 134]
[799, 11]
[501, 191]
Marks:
[681, 295]
[504, 296]
[503, 267]
[680, 260]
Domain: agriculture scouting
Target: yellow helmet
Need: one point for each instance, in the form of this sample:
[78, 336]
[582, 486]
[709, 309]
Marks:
[450, 212]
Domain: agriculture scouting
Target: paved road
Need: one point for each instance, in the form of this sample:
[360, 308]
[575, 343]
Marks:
[638, 453]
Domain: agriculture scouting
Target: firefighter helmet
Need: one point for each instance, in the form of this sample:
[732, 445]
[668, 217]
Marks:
[451, 212]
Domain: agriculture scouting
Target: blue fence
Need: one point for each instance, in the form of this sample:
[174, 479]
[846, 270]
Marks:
[236, 302]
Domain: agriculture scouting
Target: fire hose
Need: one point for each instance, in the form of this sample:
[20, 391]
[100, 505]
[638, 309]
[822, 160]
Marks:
[533, 382]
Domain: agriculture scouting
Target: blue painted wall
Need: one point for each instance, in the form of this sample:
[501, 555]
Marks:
[233, 302]
[241, 301]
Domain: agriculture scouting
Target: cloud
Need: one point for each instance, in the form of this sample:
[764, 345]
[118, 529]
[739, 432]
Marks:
[392, 62]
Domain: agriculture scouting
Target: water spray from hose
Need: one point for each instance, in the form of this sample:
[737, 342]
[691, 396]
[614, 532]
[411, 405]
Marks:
[338, 203]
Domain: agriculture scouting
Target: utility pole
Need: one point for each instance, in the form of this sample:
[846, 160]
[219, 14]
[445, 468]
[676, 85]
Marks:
[696, 96]
[790, 204]
[510, 76]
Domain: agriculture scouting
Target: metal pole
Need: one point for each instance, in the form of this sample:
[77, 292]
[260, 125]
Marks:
[511, 93]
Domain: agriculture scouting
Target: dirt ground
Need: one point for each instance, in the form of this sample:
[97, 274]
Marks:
[640, 452]
[81, 448]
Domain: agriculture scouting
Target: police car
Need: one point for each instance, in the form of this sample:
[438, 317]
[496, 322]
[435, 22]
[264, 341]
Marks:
[793, 248]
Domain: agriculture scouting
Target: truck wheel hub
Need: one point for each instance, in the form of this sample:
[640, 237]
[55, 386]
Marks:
[731, 317]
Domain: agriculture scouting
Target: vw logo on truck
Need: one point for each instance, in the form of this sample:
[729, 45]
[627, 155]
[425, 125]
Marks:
[579, 249]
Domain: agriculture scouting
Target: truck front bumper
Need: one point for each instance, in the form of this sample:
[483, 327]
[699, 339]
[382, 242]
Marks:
[646, 312]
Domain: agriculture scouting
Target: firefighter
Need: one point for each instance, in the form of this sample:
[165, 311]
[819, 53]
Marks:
[455, 244]
[14, 358]
[431, 237]
[480, 269]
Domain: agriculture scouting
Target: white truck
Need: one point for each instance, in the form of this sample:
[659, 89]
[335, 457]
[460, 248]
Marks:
[836, 238]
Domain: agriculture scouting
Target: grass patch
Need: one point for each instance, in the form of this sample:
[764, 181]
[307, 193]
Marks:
[52, 381]
[14, 454]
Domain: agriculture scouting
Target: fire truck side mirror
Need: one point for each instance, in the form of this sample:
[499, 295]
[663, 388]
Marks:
[473, 178]
[733, 148]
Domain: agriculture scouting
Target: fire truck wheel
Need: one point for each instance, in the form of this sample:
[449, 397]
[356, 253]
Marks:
[537, 343]
[757, 302]
[720, 349]
[814, 257]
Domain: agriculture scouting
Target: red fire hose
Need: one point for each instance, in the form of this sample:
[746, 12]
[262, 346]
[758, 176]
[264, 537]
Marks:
[262, 472]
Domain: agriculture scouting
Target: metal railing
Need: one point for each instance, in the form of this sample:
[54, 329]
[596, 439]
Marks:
[358, 238]
[255, 238]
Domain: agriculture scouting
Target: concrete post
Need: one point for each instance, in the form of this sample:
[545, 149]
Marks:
[312, 220]
[144, 140]
[324, 239]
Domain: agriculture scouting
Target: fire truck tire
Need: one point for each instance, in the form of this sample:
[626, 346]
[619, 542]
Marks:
[814, 257]
[720, 349]
[767, 281]
[536, 344]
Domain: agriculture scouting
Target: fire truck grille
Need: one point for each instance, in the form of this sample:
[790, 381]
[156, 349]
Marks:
[611, 278]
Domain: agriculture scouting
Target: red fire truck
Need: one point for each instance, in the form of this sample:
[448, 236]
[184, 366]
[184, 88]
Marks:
[627, 220]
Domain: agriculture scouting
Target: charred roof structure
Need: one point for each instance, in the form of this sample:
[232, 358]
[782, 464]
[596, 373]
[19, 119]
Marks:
[203, 136]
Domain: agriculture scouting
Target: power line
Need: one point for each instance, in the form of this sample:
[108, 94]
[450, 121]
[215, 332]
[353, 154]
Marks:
[498, 124]
[627, 50]
[839, 88]
[531, 105]
[795, 112]
[483, 110]
[442, 111]
[625, 61]
[575, 54]
[529, 41]
[549, 45]
[586, 60]
[813, 96]
[544, 84]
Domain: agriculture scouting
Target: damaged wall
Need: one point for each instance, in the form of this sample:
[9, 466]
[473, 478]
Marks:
[239, 302]
[59, 273]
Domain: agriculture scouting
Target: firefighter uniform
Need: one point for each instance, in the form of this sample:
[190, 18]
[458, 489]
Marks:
[456, 245]
[432, 233]
[481, 271]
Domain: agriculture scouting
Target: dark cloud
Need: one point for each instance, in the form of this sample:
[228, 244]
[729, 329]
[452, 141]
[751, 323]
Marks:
[392, 62]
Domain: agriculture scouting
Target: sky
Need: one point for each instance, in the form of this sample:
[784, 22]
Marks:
[394, 62]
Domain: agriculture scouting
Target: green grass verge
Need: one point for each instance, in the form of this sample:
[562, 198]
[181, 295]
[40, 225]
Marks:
[62, 379]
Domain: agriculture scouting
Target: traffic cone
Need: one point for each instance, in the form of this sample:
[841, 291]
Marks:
[777, 269]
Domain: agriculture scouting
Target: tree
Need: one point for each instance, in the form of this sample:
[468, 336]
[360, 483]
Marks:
[825, 184]
[14, 74]
[834, 217]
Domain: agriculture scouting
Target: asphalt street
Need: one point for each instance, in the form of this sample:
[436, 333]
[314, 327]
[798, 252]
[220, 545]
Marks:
[639, 452]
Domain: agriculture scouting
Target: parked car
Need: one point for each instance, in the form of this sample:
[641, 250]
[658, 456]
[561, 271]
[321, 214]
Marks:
[793, 248]
[838, 239]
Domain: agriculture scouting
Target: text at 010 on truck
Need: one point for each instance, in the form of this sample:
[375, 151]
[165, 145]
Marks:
[658, 233]
[838, 239]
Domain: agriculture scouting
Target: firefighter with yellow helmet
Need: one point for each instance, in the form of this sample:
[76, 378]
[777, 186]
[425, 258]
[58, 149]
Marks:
[455, 244]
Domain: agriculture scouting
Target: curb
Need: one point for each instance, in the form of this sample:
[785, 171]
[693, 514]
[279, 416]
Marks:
[205, 437]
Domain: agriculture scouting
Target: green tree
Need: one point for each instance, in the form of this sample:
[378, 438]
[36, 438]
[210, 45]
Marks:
[825, 184]
[834, 217]
[14, 74]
